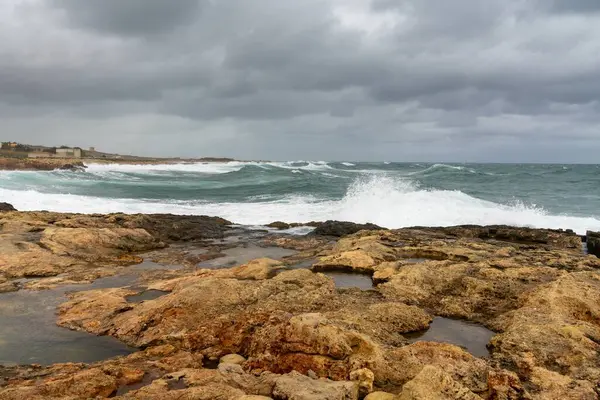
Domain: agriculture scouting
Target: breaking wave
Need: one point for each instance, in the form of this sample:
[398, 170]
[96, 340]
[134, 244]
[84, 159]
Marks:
[202, 168]
[444, 167]
[393, 202]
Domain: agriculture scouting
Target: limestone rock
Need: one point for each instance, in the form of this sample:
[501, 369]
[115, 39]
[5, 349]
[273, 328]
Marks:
[299, 387]
[381, 396]
[20, 259]
[85, 384]
[534, 287]
[262, 268]
[433, 383]
[365, 378]
[221, 301]
[339, 229]
[232, 359]
[404, 364]
[311, 342]
[385, 321]
[548, 385]
[503, 384]
[94, 244]
[555, 328]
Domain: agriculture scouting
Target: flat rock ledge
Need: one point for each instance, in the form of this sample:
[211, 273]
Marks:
[268, 330]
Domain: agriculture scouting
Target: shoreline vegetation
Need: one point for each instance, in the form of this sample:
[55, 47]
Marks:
[214, 310]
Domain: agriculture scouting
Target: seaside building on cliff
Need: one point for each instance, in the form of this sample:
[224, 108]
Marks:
[64, 152]
[9, 145]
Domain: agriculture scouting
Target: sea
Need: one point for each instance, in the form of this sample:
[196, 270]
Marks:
[389, 194]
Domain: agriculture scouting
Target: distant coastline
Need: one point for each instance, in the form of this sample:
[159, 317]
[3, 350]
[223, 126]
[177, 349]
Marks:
[23, 157]
[50, 164]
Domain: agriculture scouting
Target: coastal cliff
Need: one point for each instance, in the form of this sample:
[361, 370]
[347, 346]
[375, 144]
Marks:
[249, 314]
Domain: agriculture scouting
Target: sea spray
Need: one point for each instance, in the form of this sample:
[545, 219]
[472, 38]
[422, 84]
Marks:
[299, 191]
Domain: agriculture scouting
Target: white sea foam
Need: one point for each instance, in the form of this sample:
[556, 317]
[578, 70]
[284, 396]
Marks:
[443, 166]
[206, 168]
[348, 164]
[302, 165]
[385, 201]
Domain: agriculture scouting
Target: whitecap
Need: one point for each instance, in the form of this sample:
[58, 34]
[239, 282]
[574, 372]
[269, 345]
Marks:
[203, 168]
[379, 199]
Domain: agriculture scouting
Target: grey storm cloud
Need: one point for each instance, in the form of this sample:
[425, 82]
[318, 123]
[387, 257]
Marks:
[467, 80]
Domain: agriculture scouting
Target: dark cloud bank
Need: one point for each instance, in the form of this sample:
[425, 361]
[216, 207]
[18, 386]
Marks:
[467, 80]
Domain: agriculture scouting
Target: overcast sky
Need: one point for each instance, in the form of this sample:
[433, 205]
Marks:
[420, 80]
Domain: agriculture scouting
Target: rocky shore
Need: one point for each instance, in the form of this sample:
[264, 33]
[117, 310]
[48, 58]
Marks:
[216, 311]
[38, 164]
[50, 164]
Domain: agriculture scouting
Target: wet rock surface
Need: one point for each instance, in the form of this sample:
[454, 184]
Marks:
[281, 328]
[340, 228]
[5, 207]
[593, 243]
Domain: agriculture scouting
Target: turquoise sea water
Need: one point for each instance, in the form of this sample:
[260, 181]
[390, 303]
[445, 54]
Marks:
[388, 194]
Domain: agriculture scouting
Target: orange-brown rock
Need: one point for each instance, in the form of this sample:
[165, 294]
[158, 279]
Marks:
[556, 327]
[432, 383]
[85, 247]
[299, 337]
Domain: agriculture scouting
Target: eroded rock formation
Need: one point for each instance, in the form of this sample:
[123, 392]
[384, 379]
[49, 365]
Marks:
[266, 329]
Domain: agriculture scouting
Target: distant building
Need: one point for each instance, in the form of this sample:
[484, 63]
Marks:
[92, 149]
[68, 153]
[9, 145]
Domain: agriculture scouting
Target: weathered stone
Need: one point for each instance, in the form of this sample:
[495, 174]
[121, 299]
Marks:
[557, 238]
[403, 364]
[593, 243]
[384, 321]
[97, 244]
[381, 396]
[432, 383]
[85, 384]
[82, 248]
[503, 384]
[556, 327]
[365, 378]
[339, 228]
[232, 359]
[548, 385]
[299, 387]
[262, 268]
[535, 287]
[5, 207]
[279, 225]
[311, 342]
